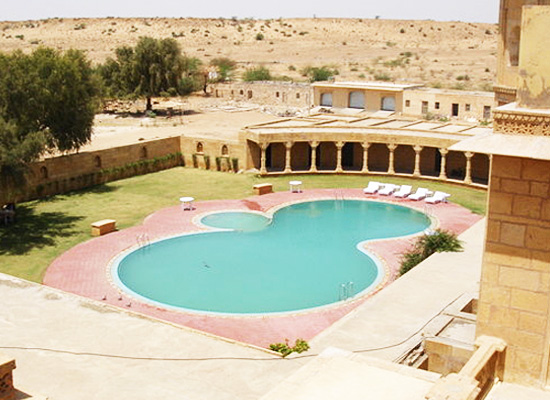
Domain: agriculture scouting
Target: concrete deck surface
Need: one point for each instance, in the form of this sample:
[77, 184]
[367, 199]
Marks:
[508, 391]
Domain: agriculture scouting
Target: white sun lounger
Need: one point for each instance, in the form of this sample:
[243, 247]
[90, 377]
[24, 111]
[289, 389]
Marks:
[438, 197]
[372, 187]
[388, 189]
[420, 194]
[404, 191]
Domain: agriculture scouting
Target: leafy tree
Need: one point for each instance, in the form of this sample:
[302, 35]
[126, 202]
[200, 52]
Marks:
[225, 68]
[152, 68]
[47, 102]
[257, 74]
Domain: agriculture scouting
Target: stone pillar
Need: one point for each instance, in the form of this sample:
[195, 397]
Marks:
[417, 150]
[339, 146]
[391, 167]
[365, 168]
[288, 168]
[313, 167]
[442, 172]
[263, 149]
[468, 177]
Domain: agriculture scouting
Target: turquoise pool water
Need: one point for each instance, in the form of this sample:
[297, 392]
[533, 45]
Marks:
[308, 256]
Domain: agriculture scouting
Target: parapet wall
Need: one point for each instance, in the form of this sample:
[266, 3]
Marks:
[298, 95]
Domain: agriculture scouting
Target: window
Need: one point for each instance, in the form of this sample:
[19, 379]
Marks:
[468, 107]
[297, 95]
[407, 103]
[326, 99]
[356, 100]
[249, 94]
[44, 172]
[437, 105]
[454, 110]
[143, 152]
[388, 103]
[225, 150]
[97, 161]
[277, 94]
[486, 112]
[200, 147]
[241, 92]
[424, 107]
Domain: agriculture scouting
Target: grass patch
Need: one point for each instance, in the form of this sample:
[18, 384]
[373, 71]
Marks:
[46, 228]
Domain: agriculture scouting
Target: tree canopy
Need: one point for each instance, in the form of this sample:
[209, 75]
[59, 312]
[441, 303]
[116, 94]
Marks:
[48, 101]
[154, 67]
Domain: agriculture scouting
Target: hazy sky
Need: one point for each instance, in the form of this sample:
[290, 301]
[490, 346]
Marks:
[442, 10]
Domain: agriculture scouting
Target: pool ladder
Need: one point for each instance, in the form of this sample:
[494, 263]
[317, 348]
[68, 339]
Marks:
[143, 240]
[346, 290]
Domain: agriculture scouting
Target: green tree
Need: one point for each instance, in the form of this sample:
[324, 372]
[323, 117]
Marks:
[48, 101]
[316, 74]
[225, 68]
[153, 67]
[257, 74]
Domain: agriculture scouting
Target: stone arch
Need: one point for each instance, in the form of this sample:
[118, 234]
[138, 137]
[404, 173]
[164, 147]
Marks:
[326, 156]
[275, 157]
[480, 164]
[44, 174]
[430, 161]
[388, 103]
[225, 150]
[143, 152]
[456, 165]
[300, 156]
[404, 156]
[199, 147]
[97, 161]
[379, 157]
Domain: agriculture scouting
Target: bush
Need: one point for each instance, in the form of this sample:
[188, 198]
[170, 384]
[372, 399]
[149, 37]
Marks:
[437, 242]
[316, 74]
[382, 77]
[300, 345]
[257, 74]
[259, 36]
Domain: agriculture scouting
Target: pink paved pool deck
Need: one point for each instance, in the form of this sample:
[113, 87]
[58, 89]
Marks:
[83, 270]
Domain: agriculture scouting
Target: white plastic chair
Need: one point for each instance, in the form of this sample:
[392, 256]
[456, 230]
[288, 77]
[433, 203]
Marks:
[438, 197]
[420, 194]
[372, 187]
[404, 191]
[388, 189]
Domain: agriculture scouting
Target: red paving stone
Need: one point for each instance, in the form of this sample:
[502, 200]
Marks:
[83, 270]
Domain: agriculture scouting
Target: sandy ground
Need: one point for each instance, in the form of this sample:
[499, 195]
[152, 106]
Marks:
[361, 49]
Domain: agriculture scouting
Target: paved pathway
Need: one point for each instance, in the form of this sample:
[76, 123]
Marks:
[83, 269]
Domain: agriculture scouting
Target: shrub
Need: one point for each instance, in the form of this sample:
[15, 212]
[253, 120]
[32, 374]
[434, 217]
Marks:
[316, 74]
[257, 74]
[300, 345]
[259, 36]
[436, 242]
[382, 77]
[207, 162]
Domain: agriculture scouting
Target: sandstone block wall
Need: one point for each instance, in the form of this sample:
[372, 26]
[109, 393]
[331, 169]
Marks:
[515, 283]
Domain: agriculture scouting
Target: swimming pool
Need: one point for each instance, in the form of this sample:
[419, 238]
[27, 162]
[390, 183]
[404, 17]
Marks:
[307, 255]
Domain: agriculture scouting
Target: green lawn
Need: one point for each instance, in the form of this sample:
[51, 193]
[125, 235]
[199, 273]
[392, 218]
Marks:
[46, 228]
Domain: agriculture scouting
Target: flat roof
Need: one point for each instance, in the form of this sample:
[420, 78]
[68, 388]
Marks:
[535, 147]
[391, 87]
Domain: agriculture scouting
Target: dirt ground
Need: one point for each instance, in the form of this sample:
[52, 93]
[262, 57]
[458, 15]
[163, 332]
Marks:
[440, 54]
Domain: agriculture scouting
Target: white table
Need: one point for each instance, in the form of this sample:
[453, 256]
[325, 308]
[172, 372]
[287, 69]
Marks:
[295, 186]
[187, 203]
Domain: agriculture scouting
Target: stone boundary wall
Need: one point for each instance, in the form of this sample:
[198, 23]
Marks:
[274, 94]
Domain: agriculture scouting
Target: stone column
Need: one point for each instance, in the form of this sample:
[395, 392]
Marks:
[391, 167]
[339, 146]
[263, 148]
[442, 172]
[417, 150]
[365, 168]
[313, 166]
[468, 177]
[288, 168]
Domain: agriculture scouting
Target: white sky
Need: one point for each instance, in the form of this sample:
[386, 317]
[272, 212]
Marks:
[441, 10]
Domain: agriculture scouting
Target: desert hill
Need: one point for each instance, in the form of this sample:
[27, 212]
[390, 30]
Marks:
[442, 54]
